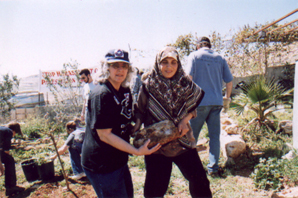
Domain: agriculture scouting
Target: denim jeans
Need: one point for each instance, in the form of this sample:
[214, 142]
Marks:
[75, 160]
[10, 170]
[210, 115]
[115, 184]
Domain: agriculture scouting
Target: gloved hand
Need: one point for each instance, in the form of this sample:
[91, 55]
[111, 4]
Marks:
[226, 104]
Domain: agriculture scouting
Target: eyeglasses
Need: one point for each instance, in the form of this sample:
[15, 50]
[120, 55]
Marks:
[117, 65]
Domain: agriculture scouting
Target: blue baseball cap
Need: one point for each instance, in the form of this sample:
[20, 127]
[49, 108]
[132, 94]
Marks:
[117, 55]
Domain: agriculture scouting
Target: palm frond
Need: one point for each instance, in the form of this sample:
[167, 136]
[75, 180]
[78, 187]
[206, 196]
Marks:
[239, 109]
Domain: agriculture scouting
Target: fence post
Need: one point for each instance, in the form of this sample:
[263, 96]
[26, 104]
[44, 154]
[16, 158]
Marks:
[295, 109]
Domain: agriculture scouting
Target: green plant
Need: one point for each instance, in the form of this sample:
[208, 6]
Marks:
[8, 88]
[34, 127]
[274, 173]
[42, 158]
[267, 174]
[288, 78]
[290, 171]
[261, 96]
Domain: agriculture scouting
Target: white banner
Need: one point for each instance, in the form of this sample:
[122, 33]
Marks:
[57, 76]
[60, 77]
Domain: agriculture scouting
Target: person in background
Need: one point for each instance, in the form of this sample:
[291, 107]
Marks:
[6, 134]
[135, 86]
[106, 145]
[89, 85]
[74, 144]
[169, 94]
[208, 70]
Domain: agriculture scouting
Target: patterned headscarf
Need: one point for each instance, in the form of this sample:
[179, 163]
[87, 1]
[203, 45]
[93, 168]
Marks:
[171, 99]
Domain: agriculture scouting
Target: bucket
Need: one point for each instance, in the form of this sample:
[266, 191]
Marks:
[46, 170]
[30, 170]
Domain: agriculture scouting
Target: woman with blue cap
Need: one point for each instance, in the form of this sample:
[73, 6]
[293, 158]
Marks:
[106, 145]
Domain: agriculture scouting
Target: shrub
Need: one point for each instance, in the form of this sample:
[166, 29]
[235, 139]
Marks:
[261, 96]
[274, 173]
[290, 171]
[8, 88]
[267, 174]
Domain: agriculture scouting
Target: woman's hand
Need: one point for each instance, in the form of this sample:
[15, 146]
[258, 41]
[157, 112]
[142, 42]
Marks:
[144, 150]
[182, 127]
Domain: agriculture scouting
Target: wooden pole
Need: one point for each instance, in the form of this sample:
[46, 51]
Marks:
[56, 149]
[278, 20]
[283, 26]
[295, 109]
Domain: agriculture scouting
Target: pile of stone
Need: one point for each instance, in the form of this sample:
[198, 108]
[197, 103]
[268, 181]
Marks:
[232, 144]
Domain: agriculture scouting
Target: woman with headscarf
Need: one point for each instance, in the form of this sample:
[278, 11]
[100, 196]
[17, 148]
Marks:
[169, 94]
[106, 145]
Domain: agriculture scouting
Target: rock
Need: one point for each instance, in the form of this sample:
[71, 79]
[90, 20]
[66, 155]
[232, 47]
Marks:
[290, 155]
[29, 148]
[270, 124]
[286, 193]
[226, 121]
[285, 126]
[232, 145]
[232, 129]
[202, 141]
[161, 132]
[235, 147]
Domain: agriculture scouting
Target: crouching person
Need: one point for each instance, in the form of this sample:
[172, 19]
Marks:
[9, 169]
[74, 144]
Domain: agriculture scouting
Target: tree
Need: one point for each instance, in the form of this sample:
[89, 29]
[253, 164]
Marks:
[8, 88]
[247, 54]
[185, 44]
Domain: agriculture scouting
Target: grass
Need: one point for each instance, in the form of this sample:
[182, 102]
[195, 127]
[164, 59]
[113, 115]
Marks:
[237, 182]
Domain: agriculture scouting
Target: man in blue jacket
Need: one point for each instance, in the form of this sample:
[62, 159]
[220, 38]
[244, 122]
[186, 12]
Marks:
[208, 70]
[6, 134]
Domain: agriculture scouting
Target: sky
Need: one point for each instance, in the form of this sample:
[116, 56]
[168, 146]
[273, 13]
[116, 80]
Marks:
[44, 34]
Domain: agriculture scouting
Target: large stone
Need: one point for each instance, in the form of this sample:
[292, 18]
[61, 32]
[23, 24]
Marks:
[161, 132]
[286, 193]
[226, 121]
[231, 129]
[286, 126]
[232, 145]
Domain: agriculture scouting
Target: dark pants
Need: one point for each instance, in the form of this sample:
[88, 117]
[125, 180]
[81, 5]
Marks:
[159, 168]
[115, 184]
[10, 170]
